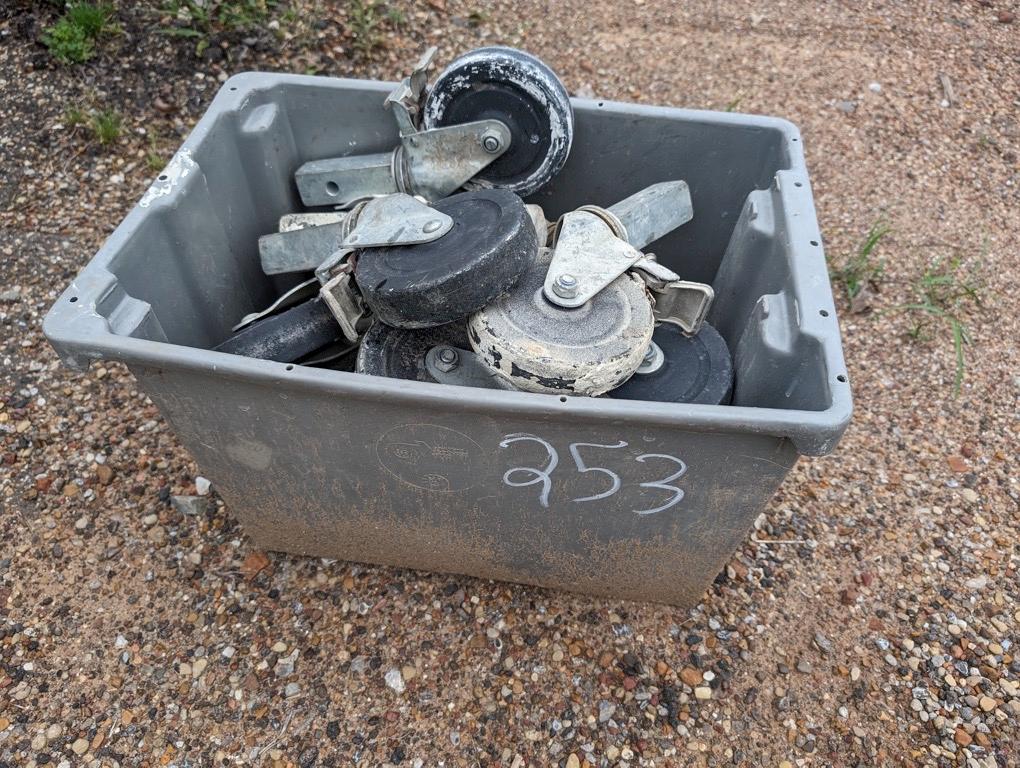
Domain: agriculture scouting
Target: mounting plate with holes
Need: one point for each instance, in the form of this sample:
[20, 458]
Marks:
[396, 220]
[491, 243]
[593, 245]
[430, 161]
[431, 164]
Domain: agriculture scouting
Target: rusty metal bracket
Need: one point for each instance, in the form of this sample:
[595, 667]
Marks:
[681, 302]
[345, 302]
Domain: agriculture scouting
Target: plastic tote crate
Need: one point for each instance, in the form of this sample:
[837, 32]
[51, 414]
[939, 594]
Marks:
[638, 500]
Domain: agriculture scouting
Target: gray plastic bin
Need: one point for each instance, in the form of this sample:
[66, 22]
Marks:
[629, 499]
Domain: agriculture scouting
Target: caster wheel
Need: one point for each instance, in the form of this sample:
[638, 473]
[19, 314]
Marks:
[682, 369]
[540, 347]
[338, 356]
[399, 353]
[523, 93]
[491, 243]
[288, 336]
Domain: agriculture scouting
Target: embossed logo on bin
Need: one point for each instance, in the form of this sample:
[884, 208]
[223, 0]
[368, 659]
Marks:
[431, 457]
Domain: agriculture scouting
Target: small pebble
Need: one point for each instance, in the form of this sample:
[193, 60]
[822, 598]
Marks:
[394, 680]
[606, 710]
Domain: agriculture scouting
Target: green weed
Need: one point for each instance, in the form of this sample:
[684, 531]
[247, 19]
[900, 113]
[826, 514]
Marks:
[396, 17]
[364, 20]
[73, 39]
[201, 19]
[75, 116]
[944, 293]
[863, 269]
[106, 126]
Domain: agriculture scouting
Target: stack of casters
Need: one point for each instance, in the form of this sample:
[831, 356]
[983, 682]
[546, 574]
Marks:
[416, 280]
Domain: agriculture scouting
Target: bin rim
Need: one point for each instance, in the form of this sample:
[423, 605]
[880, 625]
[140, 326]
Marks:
[813, 433]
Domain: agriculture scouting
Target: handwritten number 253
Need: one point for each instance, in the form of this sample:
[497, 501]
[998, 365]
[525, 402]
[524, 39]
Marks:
[515, 476]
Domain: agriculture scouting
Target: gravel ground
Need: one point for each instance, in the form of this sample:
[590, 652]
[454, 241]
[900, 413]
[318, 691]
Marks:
[872, 616]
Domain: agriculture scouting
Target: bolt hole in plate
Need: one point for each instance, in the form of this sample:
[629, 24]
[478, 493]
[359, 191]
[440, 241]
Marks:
[491, 243]
[523, 93]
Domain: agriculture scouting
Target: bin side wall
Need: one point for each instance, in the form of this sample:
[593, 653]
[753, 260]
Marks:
[310, 473]
[775, 333]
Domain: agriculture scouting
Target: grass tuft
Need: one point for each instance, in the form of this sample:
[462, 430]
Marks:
[863, 270]
[366, 20]
[202, 19]
[106, 126]
[73, 39]
[944, 293]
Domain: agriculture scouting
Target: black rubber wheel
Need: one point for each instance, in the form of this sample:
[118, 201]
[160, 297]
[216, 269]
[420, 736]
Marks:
[287, 336]
[420, 286]
[523, 93]
[399, 353]
[695, 369]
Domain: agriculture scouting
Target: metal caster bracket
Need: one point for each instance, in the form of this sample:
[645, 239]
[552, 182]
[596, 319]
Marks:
[432, 163]
[681, 302]
[594, 246]
[310, 238]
